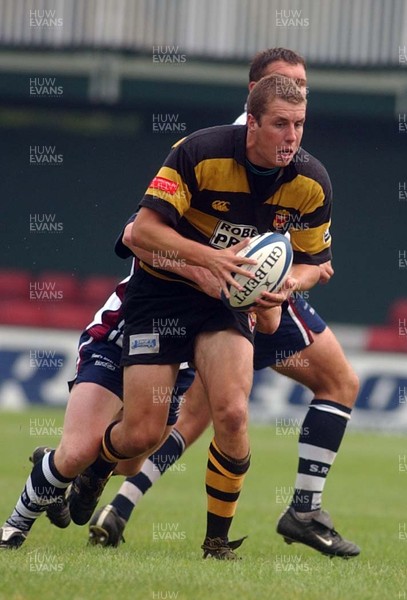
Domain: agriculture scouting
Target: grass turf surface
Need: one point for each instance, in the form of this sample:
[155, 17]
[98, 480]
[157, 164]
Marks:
[161, 558]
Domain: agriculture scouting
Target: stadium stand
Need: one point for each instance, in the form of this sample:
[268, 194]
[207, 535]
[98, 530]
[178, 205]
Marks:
[59, 300]
[51, 299]
[392, 336]
[14, 284]
[97, 288]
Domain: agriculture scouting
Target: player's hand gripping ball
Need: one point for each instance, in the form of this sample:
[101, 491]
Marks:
[274, 257]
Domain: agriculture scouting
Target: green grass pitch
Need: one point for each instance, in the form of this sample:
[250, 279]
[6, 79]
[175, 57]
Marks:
[161, 558]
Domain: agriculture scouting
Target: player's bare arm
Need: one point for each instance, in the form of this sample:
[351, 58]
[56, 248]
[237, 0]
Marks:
[302, 277]
[268, 321]
[306, 275]
[326, 272]
[151, 232]
[268, 307]
[199, 275]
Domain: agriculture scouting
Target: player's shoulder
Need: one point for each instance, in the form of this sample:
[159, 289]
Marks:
[241, 119]
[309, 166]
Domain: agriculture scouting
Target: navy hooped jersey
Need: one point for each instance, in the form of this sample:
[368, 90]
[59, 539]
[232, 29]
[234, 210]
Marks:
[205, 192]
[108, 322]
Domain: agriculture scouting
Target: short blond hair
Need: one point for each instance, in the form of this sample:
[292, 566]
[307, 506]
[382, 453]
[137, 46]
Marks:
[268, 89]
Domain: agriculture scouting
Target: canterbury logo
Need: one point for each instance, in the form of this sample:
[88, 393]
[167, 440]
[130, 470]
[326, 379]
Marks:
[221, 205]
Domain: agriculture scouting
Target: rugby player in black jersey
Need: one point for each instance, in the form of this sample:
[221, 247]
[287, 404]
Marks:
[322, 367]
[183, 194]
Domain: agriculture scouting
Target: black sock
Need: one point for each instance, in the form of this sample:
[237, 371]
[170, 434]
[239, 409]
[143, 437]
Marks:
[101, 468]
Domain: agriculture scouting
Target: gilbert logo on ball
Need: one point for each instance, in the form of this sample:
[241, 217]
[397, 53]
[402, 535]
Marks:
[274, 257]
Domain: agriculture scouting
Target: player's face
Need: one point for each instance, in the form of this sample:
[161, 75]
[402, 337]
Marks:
[274, 140]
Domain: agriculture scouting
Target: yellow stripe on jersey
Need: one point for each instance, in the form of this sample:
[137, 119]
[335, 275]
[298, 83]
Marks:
[204, 223]
[221, 175]
[179, 142]
[169, 186]
[312, 240]
[302, 193]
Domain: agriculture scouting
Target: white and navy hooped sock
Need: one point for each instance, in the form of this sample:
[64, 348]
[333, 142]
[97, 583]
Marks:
[321, 435]
[134, 488]
[44, 486]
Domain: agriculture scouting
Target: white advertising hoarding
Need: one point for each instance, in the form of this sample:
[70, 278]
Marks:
[35, 365]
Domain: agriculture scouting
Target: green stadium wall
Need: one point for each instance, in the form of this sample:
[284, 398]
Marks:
[108, 156]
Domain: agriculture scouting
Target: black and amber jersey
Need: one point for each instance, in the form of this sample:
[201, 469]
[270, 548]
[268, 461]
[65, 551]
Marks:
[206, 191]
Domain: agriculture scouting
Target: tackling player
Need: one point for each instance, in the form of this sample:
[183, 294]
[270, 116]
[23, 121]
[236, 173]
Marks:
[95, 398]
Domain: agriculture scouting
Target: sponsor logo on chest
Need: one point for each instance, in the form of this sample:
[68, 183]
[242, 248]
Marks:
[228, 234]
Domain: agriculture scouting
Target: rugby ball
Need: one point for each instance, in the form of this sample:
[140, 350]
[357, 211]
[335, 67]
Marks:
[274, 257]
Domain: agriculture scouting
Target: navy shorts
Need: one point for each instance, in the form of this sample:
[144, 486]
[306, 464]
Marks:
[99, 362]
[298, 322]
[163, 319]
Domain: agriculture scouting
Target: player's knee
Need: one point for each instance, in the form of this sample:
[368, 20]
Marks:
[231, 419]
[341, 385]
[191, 428]
[73, 459]
[347, 386]
[141, 441]
[353, 386]
[128, 468]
